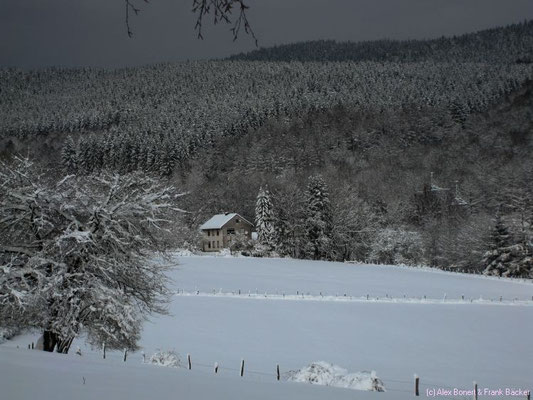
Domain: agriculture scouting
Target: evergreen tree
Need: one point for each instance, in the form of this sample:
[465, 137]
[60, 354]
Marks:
[69, 156]
[319, 221]
[264, 219]
[500, 236]
[506, 256]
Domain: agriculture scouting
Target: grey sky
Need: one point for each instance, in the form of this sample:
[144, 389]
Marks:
[37, 33]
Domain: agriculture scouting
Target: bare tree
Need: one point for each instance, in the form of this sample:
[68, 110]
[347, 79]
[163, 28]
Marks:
[221, 11]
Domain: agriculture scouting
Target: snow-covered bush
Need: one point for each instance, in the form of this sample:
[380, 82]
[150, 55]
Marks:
[323, 373]
[7, 333]
[166, 359]
[397, 246]
[241, 242]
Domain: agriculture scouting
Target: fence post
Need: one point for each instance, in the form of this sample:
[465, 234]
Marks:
[242, 367]
[125, 354]
[103, 349]
[529, 395]
[475, 390]
[32, 346]
[277, 372]
[216, 368]
[417, 383]
[144, 358]
[189, 361]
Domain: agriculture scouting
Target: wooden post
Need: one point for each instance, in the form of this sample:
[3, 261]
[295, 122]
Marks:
[144, 358]
[242, 367]
[125, 354]
[189, 361]
[529, 395]
[29, 346]
[103, 349]
[277, 372]
[216, 368]
[417, 384]
[475, 390]
[32, 346]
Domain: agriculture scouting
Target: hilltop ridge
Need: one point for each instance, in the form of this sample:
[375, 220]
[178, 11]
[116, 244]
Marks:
[508, 44]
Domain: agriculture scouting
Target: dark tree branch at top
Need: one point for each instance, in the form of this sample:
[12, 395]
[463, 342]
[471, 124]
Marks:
[220, 9]
[130, 6]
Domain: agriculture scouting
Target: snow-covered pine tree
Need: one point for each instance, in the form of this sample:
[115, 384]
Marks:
[69, 156]
[76, 255]
[507, 256]
[264, 219]
[319, 221]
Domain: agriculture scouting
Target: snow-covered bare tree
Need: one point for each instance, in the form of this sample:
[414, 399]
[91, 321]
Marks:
[264, 219]
[75, 254]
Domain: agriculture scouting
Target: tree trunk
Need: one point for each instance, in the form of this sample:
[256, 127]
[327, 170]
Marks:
[63, 345]
[49, 341]
[52, 341]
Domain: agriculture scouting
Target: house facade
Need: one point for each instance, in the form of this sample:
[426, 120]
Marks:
[221, 229]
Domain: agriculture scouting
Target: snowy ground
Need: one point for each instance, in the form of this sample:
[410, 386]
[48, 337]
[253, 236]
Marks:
[458, 333]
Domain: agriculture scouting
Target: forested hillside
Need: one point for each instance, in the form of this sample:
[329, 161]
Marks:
[377, 167]
[381, 151]
[155, 118]
[510, 44]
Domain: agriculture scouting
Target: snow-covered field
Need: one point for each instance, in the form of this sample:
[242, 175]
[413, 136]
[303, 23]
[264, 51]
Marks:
[450, 329]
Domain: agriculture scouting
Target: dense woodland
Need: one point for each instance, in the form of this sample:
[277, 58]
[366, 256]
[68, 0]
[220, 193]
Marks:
[415, 152]
[511, 44]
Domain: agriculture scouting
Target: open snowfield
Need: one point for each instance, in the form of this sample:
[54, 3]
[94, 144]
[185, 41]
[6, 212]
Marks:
[458, 333]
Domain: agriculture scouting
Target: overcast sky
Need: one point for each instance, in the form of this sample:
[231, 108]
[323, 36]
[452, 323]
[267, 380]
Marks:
[36, 33]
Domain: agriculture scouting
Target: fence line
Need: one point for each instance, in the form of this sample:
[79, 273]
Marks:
[345, 297]
[276, 375]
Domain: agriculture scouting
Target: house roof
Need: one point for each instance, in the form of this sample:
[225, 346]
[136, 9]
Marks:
[219, 220]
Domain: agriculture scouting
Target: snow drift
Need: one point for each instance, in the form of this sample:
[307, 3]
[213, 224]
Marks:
[166, 359]
[323, 373]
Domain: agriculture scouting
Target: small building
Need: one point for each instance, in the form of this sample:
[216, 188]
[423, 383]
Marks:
[221, 229]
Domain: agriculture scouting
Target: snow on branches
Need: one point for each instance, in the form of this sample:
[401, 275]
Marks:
[74, 254]
[264, 219]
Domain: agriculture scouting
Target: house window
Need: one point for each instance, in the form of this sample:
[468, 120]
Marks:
[237, 221]
[208, 233]
[218, 245]
[218, 233]
[208, 245]
[231, 231]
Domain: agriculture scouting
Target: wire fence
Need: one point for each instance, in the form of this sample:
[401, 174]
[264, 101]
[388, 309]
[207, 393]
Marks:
[347, 297]
[394, 385]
